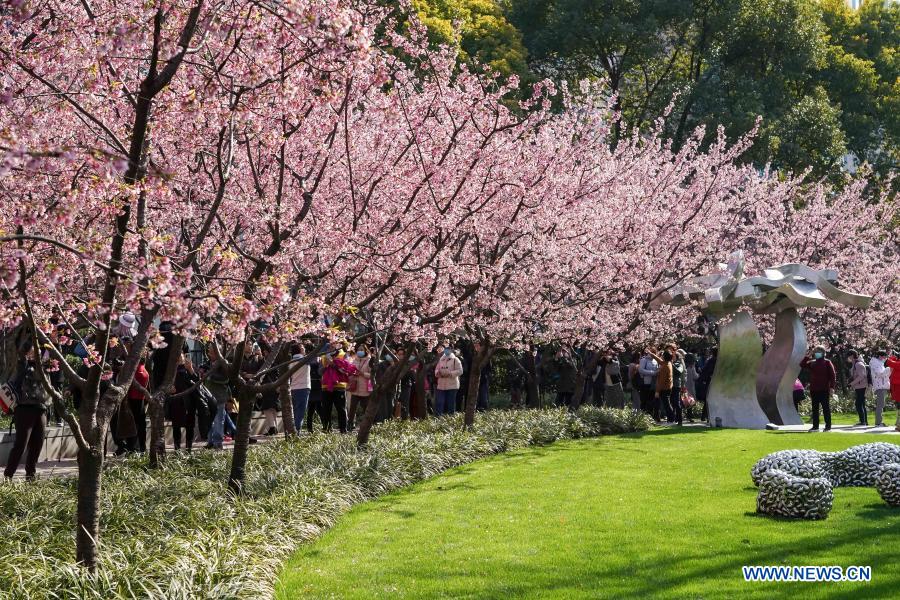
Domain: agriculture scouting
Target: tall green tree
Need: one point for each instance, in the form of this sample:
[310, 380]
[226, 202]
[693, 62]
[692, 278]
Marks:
[824, 78]
[479, 29]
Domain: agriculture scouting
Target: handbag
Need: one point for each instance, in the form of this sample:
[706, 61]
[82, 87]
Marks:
[687, 400]
[206, 397]
[9, 398]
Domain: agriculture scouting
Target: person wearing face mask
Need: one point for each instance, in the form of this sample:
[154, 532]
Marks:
[611, 376]
[648, 368]
[336, 373]
[859, 381]
[822, 381]
[360, 384]
[448, 370]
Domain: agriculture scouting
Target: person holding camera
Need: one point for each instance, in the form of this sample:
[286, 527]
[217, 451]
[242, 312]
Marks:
[822, 382]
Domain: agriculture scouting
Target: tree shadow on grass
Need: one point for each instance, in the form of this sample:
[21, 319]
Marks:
[654, 574]
[671, 430]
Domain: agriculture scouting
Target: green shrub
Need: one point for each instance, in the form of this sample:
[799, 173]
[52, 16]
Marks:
[176, 533]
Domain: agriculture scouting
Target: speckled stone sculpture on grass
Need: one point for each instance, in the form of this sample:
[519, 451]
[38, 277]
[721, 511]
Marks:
[888, 484]
[793, 482]
[788, 495]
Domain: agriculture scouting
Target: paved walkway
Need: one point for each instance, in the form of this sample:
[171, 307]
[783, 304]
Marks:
[885, 430]
[69, 467]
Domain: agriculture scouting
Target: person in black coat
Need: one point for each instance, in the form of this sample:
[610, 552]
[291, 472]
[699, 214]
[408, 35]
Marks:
[315, 399]
[703, 382]
[183, 406]
[29, 418]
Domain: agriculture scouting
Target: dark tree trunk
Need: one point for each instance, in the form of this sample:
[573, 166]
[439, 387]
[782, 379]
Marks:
[241, 443]
[479, 359]
[532, 391]
[90, 471]
[87, 533]
[385, 384]
[418, 405]
[157, 448]
[587, 367]
[375, 398]
[284, 394]
[157, 402]
[287, 410]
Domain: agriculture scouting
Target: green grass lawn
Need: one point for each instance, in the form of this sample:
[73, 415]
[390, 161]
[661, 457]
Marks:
[666, 514]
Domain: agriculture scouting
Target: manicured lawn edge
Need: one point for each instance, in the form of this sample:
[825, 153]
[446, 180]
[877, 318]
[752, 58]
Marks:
[175, 533]
[666, 514]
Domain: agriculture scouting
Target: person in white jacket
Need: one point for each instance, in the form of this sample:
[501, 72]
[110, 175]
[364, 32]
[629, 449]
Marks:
[447, 371]
[881, 384]
[300, 386]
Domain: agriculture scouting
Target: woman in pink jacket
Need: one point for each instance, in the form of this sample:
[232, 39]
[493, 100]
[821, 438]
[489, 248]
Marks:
[360, 384]
[336, 372]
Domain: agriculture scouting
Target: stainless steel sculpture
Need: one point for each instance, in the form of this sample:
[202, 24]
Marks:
[732, 399]
[750, 389]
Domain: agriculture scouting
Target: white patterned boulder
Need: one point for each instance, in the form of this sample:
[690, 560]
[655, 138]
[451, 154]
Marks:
[790, 481]
[802, 463]
[787, 495]
[888, 484]
[857, 466]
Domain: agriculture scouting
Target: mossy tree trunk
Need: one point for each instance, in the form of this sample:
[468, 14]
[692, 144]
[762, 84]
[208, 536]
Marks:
[480, 357]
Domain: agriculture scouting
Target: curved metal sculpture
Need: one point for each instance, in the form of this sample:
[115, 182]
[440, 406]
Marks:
[731, 398]
[779, 368]
[750, 389]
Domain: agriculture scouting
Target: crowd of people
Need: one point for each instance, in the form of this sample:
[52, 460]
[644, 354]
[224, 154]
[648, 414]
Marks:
[673, 385]
[881, 377]
[334, 383]
[333, 387]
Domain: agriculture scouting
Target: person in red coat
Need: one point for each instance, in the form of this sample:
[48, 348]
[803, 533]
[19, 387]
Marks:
[893, 363]
[822, 380]
[136, 401]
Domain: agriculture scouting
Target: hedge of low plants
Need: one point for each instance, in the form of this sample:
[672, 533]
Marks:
[176, 533]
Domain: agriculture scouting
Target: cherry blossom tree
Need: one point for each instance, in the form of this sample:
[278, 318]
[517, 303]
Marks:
[251, 170]
[121, 122]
